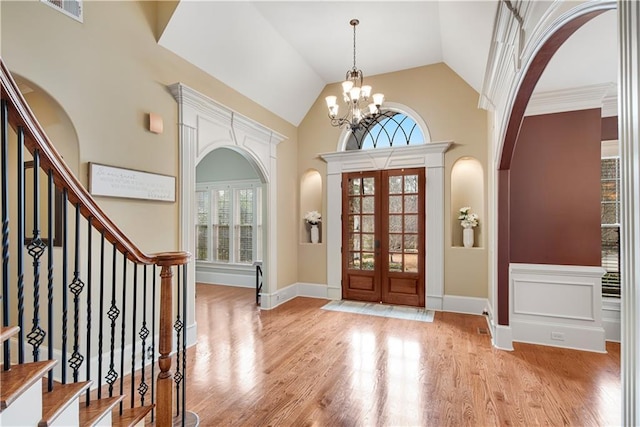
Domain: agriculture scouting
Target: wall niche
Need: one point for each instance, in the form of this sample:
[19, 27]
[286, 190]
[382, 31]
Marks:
[310, 200]
[467, 190]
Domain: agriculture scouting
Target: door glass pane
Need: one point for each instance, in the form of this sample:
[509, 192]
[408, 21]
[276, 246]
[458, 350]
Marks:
[395, 223]
[367, 242]
[369, 186]
[410, 243]
[411, 263]
[395, 242]
[395, 262]
[411, 204]
[368, 261]
[395, 184]
[354, 260]
[354, 242]
[354, 186]
[367, 224]
[354, 204]
[411, 223]
[367, 205]
[395, 204]
[411, 184]
[354, 223]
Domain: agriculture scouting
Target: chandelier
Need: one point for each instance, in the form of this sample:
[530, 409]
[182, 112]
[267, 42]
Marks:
[361, 112]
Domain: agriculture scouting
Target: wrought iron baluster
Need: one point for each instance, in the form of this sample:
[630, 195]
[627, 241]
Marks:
[184, 343]
[36, 248]
[76, 287]
[20, 245]
[123, 324]
[177, 326]
[144, 333]
[4, 158]
[65, 305]
[89, 280]
[101, 315]
[113, 314]
[133, 335]
[50, 200]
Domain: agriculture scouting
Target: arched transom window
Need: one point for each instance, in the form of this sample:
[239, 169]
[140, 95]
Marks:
[391, 129]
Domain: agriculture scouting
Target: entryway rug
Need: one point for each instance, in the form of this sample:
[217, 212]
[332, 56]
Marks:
[382, 310]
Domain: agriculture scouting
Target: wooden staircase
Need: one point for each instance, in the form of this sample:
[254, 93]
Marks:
[92, 301]
[62, 406]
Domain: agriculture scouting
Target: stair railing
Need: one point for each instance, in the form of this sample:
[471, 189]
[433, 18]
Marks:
[84, 267]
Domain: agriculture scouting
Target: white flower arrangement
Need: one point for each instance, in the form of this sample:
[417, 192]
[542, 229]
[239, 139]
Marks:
[313, 217]
[467, 220]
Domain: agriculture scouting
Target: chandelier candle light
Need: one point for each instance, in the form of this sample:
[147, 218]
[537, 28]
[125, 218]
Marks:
[360, 110]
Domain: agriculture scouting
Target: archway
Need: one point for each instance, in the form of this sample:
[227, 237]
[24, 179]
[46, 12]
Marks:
[530, 78]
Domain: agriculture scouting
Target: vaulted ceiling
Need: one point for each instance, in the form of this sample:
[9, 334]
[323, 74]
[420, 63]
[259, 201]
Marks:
[282, 54]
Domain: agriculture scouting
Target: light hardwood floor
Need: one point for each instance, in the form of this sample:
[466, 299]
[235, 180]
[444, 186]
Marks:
[298, 365]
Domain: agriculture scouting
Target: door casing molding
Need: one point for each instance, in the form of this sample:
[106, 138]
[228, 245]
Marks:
[429, 156]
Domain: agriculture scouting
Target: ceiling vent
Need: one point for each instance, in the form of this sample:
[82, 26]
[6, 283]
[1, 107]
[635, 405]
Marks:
[72, 8]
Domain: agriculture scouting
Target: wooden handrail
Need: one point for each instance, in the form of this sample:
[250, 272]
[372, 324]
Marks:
[36, 138]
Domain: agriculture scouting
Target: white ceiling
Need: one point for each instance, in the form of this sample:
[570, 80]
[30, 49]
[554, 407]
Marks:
[282, 54]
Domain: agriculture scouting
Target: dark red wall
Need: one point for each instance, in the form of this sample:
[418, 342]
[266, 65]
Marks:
[555, 190]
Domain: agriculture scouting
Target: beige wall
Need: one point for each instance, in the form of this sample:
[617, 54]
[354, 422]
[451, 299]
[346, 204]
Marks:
[449, 107]
[108, 74]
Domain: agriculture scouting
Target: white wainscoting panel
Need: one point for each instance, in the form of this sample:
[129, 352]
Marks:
[557, 305]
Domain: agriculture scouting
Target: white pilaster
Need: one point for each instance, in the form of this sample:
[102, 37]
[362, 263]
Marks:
[629, 135]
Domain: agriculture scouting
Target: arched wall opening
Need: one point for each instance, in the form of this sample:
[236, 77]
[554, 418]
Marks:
[513, 127]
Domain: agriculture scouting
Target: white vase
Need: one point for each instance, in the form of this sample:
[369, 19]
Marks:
[315, 233]
[467, 237]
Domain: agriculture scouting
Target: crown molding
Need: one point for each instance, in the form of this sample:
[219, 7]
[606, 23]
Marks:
[602, 96]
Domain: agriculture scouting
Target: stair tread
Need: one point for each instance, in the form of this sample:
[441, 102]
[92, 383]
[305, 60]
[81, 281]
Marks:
[131, 416]
[97, 408]
[7, 332]
[57, 400]
[19, 378]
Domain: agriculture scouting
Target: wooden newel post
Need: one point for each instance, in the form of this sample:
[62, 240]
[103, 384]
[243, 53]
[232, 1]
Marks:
[164, 402]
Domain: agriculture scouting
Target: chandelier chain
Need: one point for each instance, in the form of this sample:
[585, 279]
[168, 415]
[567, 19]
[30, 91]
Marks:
[354, 46]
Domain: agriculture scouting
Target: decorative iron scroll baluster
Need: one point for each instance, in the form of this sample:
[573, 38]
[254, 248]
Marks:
[4, 149]
[258, 281]
[76, 287]
[177, 326]
[153, 341]
[184, 343]
[101, 315]
[133, 335]
[144, 333]
[89, 285]
[50, 201]
[35, 249]
[65, 308]
[123, 324]
[20, 245]
[113, 314]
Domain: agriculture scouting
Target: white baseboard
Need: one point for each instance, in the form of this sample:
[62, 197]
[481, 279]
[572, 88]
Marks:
[334, 293]
[313, 290]
[310, 290]
[611, 319]
[233, 278]
[503, 338]
[468, 305]
[569, 336]
[434, 302]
